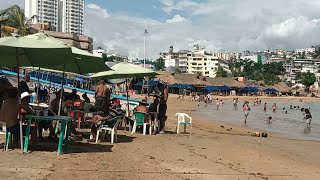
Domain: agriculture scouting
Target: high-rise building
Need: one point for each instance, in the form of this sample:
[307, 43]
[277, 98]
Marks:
[61, 15]
[43, 11]
[71, 12]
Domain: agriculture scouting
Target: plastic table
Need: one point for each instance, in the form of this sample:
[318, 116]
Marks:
[65, 125]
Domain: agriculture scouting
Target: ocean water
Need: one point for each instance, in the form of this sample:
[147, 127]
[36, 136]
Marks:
[290, 125]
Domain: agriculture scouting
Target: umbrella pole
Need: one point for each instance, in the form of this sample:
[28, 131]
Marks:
[38, 87]
[61, 94]
[60, 99]
[19, 100]
[128, 103]
[50, 82]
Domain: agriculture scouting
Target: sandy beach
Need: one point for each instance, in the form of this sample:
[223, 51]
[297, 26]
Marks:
[211, 152]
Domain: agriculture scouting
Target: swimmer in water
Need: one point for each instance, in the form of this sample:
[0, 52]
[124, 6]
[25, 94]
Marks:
[265, 106]
[269, 120]
[274, 107]
[308, 117]
[246, 109]
[284, 110]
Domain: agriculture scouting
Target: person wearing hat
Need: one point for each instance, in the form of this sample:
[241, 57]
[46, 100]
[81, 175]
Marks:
[27, 110]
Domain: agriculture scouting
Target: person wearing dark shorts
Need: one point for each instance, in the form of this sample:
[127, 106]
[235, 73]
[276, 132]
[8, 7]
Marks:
[162, 107]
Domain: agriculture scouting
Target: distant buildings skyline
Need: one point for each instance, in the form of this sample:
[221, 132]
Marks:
[62, 15]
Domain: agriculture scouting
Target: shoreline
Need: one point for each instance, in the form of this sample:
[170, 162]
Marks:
[210, 152]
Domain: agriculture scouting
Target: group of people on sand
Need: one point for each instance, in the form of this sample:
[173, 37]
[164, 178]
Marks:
[106, 107]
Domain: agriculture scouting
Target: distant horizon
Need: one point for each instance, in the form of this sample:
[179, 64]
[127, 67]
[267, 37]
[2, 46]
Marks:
[219, 26]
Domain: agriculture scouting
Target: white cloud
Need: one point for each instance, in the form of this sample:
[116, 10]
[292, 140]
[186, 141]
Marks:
[93, 8]
[175, 19]
[179, 5]
[218, 25]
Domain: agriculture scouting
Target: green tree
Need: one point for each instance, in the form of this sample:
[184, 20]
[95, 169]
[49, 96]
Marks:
[107, 58]
[13, 17]
[160, 64]
[303, 56]
[308, 79]
[221, 72]
[177, 70]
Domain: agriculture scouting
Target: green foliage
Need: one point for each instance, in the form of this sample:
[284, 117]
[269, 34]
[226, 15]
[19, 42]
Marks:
[221, 73]
[111, 58]
[14, 17]
[307, 79]
[160, 64]
[106, 58]
[177, 70]
[269, 73]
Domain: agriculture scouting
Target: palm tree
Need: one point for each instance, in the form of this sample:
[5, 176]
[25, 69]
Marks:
[14, 18]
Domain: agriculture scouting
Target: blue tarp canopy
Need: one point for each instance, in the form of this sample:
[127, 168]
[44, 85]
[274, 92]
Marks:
[224, 88]
[270, 90]
[211, 88]
[252, 89]
[49, 77]
[182, 86]
[150, 83]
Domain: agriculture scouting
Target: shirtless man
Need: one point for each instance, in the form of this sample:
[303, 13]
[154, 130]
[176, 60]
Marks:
[102, 96]
[274, 107]
[162, 107]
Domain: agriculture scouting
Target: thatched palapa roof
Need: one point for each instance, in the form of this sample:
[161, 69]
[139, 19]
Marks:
[228, 81]
[281, 87]
[172, 78]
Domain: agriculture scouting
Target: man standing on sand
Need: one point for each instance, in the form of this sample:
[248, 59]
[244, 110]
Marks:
[246, 109]
[102, 96]
[162, 107]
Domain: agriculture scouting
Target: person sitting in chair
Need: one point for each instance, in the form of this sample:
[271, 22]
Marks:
[109, 118]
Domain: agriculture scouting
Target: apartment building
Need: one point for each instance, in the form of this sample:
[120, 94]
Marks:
[98, 52]
[43, 11]
[61, 15]
[257, 58]
[173, 60]
[197, 61]
[305, 50]
[297, 66]
[71, 14]
[227, 55]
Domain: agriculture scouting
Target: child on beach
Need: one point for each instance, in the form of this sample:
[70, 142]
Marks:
[217, 103]
[235, 105]
[246, 109]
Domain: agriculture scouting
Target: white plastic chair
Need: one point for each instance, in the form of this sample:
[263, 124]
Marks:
[182, 120]
[113, 131]
[4, 129]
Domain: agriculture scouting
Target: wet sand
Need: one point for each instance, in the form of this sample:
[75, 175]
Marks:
[211, 152]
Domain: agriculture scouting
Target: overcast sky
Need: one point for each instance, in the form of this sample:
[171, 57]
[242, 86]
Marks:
[218, 25]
